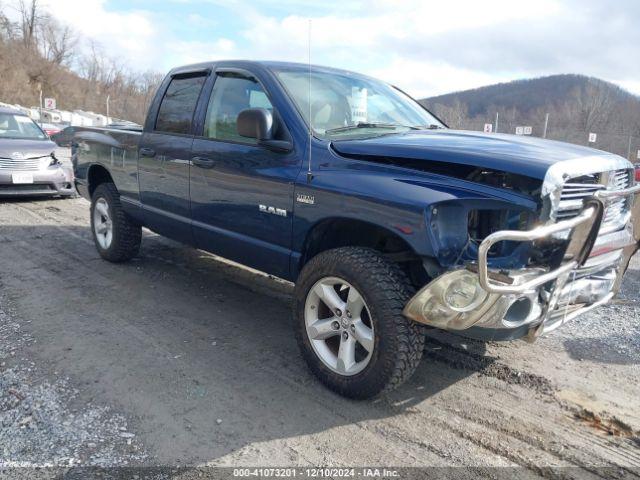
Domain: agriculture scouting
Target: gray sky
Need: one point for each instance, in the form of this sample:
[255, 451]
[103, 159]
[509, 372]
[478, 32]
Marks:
[425, 47]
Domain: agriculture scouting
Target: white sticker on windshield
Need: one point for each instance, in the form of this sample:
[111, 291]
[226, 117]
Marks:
[358, 105]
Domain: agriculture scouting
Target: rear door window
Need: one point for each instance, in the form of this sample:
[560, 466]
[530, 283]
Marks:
[175, 114]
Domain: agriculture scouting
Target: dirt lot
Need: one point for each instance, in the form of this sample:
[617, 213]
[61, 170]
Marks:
[178, 358]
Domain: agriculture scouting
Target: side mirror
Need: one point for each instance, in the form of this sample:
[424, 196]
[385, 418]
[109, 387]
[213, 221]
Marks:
[255, 123]
[258, 123]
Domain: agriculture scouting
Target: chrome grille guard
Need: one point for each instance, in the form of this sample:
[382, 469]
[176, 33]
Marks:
[582, 226]
[587, 217]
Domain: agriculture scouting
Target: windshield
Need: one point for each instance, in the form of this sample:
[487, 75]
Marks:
[344, 105]
[13, 125]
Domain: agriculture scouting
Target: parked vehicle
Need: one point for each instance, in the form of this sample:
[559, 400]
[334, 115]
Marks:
[28, 165]
[51, 129]
[386, 220]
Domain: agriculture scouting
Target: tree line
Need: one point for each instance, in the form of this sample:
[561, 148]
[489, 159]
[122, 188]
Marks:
[39, 54]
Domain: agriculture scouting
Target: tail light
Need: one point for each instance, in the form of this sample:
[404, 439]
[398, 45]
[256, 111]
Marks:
[637, 167]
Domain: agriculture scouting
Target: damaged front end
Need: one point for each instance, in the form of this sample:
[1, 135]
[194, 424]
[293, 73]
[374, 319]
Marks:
[537, 274]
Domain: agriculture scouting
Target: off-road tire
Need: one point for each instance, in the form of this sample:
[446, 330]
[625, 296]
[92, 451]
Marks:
[127, 234]
[399, 342]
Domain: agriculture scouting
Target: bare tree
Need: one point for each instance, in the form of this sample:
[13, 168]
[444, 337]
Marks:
[454, 115]
[30, 17]
[593, 106]
[57, 42]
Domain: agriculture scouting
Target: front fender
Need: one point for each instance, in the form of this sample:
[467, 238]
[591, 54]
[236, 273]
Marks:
[401, 203]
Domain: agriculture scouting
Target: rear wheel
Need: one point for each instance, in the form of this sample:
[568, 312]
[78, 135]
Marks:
[116, 236]
[349, 323]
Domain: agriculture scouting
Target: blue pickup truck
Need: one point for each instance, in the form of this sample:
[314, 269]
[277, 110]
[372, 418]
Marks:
[388, 222]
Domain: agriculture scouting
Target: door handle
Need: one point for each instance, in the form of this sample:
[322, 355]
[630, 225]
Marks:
[147, 152]
[203, 162]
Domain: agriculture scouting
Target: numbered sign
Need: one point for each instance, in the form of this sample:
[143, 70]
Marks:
[488, 127]
[50, 103]
[638, 154]
[519, 130]
[593, 137]
[528, 130]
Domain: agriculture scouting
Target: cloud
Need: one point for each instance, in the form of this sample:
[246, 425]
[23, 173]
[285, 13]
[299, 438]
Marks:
[429, 48]
[186, 52]
[126, 35]
[426, 78]
[424, 47]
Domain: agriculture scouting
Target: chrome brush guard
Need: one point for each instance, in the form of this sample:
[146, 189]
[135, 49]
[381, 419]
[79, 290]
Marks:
[583, 230]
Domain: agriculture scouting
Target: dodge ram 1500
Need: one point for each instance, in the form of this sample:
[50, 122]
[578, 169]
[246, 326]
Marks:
[387, 221]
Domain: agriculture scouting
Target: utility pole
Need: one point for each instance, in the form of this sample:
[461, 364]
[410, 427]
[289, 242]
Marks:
[629, 149]
[546, 124]
[41, 106]
[108, 98]
[497, 120]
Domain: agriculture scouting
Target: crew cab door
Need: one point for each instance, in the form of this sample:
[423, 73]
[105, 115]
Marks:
[164, 157]
[241, 192]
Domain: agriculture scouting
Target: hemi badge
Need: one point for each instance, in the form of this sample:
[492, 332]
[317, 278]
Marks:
[308, 199]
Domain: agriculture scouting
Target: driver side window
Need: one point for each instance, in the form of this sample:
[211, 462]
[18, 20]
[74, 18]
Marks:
[232, 94]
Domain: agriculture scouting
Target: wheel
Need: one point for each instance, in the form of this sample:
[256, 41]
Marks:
[116, 235]
[349, 325]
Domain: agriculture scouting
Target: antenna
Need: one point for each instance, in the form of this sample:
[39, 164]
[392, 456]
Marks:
[309, 174]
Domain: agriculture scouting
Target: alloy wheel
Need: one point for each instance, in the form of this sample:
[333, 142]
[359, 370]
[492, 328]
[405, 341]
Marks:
[339, 326]
[102, 224]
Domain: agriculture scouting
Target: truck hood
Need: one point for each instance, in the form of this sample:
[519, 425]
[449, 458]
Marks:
[521, 155]
[18, 149]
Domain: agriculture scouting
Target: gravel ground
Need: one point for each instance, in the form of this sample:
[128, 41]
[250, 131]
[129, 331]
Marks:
[610, 334]
[181, 359]
[43, 423]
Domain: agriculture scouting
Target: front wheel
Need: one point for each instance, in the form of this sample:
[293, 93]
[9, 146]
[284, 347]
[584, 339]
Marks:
[116, 235]
[349, 324]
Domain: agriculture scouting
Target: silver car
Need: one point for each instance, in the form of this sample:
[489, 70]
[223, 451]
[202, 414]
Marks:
[28, 165]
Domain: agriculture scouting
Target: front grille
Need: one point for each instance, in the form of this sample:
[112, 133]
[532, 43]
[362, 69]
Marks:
[30, 165]
[30, 188]
[575, 190]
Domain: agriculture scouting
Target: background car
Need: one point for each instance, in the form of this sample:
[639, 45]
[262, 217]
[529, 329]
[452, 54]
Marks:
[28, 165]
[51, 128]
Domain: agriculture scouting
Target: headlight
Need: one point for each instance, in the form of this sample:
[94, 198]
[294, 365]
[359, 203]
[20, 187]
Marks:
[454, 300]
[464, 293]
[434, 309]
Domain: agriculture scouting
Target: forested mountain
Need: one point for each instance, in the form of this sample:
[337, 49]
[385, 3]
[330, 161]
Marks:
[577, 105]
[531, 94]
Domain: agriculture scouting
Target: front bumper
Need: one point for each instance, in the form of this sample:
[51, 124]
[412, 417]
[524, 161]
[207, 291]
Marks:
[54, 180]
[533, 301]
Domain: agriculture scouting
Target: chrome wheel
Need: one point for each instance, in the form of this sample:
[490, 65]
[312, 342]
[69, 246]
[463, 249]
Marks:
[102, 224]
[339, 326]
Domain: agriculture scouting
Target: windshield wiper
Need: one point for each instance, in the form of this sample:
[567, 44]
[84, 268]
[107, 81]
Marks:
[389, 126]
